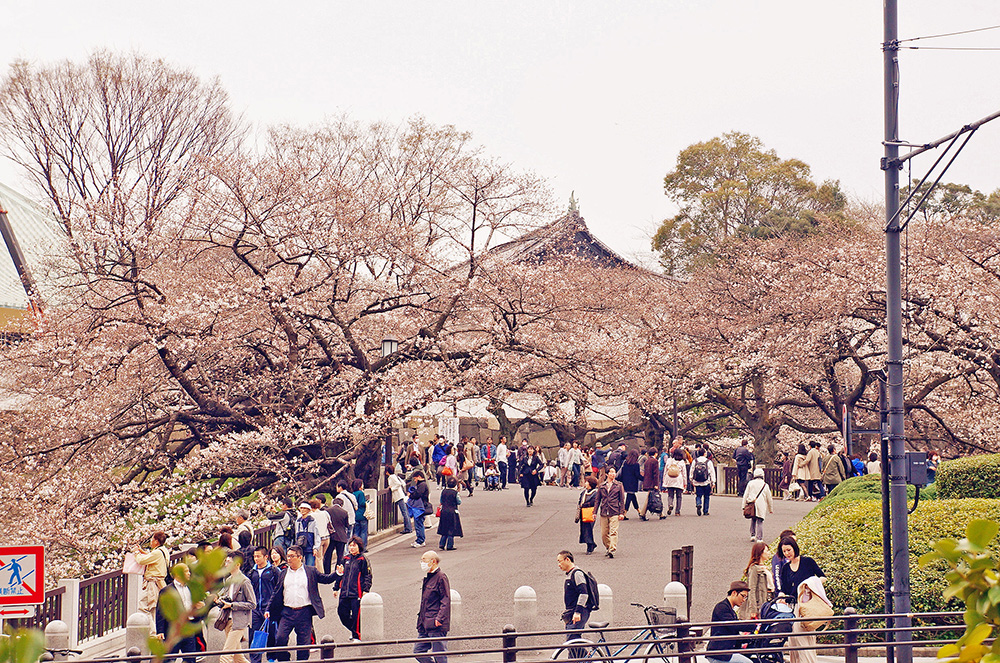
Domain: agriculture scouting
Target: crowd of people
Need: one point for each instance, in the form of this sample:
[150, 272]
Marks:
[323, 541]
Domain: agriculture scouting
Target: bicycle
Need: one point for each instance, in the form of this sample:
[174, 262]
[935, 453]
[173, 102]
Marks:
[647, 642]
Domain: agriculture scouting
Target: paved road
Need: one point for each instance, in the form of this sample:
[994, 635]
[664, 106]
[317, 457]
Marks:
[507, 545]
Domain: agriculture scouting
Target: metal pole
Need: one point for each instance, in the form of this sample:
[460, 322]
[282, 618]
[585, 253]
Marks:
[894, 332]
[886, 520]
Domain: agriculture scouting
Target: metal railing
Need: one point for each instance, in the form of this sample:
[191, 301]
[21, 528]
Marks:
[50, 609]
[731, 479]
[681, 641]
[386, 514]
[102, 604]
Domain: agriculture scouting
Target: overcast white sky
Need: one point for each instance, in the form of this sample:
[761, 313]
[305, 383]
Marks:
[599, 97]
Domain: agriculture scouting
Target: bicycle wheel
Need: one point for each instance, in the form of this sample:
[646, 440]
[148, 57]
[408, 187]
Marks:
[656, 652]
[579, 649]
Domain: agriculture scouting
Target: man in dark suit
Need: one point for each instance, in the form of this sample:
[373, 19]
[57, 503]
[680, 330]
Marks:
[340, 535]
[190, 643]
[296, 599]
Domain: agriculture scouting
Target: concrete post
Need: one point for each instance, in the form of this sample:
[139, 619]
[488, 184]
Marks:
[71, 609]
[675, 596]
[372, 617]
[137, 632]
[607, 609]
[526, 614]
[215, 639]
[456, 613]
[57, 638]
[133, 588]
[525, 609]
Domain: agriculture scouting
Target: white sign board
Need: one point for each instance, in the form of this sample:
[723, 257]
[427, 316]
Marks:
[448, 426]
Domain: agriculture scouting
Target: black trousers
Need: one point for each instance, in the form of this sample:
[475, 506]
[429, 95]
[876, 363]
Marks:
[349, 612]
[334, 547]
[301, 622]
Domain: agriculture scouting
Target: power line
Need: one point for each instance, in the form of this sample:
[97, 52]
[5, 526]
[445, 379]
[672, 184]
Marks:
[950, 34]
[947, 48]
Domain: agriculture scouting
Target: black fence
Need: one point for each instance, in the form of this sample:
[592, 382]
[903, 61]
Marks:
[730, 479]
[842, 635]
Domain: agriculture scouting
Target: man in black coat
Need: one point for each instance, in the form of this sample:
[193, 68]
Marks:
[725, 611]
[744, 459]
[296, 599]
[189, 644]
[434, 618]
[339, 521]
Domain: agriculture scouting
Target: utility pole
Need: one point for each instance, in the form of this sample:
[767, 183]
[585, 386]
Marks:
[894, 330]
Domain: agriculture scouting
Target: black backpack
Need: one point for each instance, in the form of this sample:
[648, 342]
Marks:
[593, 595]
[700, 471]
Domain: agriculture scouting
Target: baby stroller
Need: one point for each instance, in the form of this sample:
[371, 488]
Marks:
[491, 477]
[770, 635]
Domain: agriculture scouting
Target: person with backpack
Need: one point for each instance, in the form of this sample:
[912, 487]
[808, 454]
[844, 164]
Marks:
[284, 524]
[305, 535]
[580, 595]
[703, 480]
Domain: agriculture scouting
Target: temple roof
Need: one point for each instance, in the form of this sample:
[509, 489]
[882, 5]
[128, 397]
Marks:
[566, 236]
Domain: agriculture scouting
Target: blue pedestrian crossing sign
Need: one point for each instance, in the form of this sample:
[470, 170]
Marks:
[22, 575]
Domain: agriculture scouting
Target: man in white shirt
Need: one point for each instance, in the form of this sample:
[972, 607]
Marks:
[564, 457]
[296, 599]
[322, 528]
[348, 501]
[502, 454]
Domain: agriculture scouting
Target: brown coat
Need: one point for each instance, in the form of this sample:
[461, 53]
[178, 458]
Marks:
[611, 501]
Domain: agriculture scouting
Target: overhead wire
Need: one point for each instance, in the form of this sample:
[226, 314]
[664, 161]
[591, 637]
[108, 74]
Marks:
[950, 34]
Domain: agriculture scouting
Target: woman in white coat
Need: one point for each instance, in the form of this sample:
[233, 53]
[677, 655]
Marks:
[758, 493]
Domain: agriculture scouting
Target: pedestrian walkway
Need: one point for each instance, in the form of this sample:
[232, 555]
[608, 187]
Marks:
[507, 545]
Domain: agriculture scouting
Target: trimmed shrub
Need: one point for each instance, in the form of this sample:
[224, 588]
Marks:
[868, 487]
[972, 476]
[845, 539]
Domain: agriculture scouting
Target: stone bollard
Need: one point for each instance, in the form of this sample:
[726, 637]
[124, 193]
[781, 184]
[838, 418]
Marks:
[525, 609]
[137, 632]
[675, 596]
[215, 639]
[372, 617]
[606, 613]
[57, 638]
[526, 614]
[456, 613]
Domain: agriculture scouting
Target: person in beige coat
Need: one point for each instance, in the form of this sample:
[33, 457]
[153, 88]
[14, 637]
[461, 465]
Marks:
[155, 562]
[814, 465]
[758, 493]
[239, 597]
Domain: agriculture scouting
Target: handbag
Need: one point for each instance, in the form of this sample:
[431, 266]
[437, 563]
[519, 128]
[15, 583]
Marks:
[259, 640]
[224, 619]
[750, 508]
[587, 514]
[817, 612]
[132, 567]
[437, 512]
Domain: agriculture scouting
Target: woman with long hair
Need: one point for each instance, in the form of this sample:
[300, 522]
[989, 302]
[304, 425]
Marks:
[800, 472]
[630, 479]
[531, 475]
[758, 577]
[588, 500]
[277, 555]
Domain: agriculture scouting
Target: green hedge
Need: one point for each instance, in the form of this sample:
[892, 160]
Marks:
[868, 487]
[845, 539]
[972, 476]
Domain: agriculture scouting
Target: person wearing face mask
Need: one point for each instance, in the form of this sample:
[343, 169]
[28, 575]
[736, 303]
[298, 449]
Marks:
[434, 618]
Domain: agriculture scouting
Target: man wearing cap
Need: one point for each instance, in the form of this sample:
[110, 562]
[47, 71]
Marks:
[306, 536]
[725, 611]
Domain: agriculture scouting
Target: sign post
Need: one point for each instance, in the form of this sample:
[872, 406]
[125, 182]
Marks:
[22, 581]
